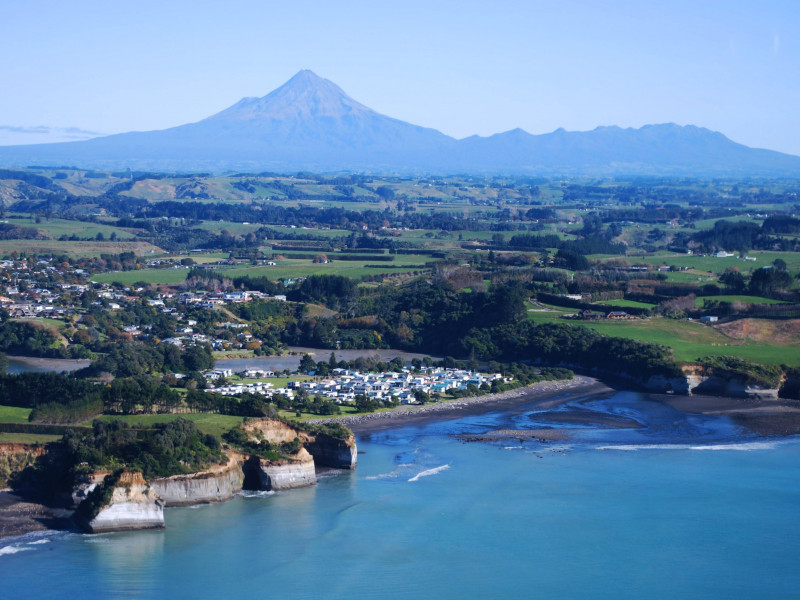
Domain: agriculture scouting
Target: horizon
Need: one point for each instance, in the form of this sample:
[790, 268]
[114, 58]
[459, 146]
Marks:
[458, 68]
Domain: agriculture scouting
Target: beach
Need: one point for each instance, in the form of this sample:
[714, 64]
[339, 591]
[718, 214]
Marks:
[546, 394]
[562, 408]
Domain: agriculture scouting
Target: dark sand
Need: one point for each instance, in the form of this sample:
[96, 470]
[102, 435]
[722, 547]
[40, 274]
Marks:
[544, 395]
[19, 516]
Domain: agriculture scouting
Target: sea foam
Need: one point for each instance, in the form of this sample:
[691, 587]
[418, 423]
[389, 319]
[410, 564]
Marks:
[744, 446]
[429, 472]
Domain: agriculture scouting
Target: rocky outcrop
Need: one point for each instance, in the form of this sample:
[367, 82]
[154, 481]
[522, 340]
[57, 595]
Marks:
[274, 431]
[85, 485]
[122, 502]
[668, 385]
[294, 472]
[330, 451]
[212, 485]
[327, 450]
[698, 380]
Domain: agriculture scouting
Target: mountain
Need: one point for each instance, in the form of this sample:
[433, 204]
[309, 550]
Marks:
[309, 123]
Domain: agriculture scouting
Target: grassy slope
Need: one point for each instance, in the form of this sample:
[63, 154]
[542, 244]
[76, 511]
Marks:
[689, 339]
[207, 423]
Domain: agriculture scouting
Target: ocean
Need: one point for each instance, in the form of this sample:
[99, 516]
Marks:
[686, 507]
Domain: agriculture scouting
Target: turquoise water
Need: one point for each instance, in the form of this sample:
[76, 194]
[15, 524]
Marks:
[617, 514]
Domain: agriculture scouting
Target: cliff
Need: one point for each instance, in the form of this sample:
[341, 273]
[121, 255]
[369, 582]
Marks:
[16, 457]
[213, 485]
[702, 379]
[296, 471]
[124, 501]
[328, 450]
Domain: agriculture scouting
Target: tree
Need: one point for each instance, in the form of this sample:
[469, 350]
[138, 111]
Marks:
[733, 280]
[307, 364]
[766, 281]
[385, 192]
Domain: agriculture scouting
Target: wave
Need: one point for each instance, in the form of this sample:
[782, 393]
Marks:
[256, 493]
[430, 472]
[13, 550]
[742, 447]
[389, 475]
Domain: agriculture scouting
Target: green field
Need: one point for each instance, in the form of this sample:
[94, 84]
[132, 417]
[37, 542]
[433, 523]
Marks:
[207, 423]
[291, 268]
[737, 298]
[711, 264]
[629, 303]
[154, 276]
[14, 414]
[55, 228]
[27, 438]
[75, 249]
[690, 340]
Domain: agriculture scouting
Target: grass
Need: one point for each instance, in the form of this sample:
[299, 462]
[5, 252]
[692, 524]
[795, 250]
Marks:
[75, 249]
[14, 414]
[705, 265]
[55, 228]
[690, 340]
[154, 276]
[290, 268]
[207, 423]
[304, 416]
[737, 298]
[27, 438]
[629, 303]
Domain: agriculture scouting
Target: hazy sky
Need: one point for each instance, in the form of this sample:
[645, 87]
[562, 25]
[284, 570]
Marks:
[461, 67]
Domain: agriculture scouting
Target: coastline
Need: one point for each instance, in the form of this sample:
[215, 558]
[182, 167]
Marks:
[760, 417]
[541, 393]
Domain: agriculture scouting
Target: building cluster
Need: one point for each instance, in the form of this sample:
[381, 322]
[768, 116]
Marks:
[345, 384]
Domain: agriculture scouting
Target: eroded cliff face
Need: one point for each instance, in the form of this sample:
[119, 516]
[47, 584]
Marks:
[294, 472]
[217, 484]
[84, 486]
[16, 457]
[697, 381]
[133, 505]
[329, 451]
[274, 431]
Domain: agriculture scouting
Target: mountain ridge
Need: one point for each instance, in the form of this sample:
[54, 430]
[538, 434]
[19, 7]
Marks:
[310, 123]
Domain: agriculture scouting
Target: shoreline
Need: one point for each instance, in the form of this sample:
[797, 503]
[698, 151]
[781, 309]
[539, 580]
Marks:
[541, 393]
[760, 417]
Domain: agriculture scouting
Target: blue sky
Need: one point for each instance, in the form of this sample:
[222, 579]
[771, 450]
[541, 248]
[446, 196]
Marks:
[461, 67]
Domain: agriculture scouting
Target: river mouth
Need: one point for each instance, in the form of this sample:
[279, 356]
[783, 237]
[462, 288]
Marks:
[25, 364]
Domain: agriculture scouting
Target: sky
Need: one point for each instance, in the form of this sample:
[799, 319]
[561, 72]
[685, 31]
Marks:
[71, 70]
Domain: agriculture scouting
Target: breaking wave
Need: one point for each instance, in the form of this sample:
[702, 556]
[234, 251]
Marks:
[430, 472]
[742, 447]
[256, 493]
[13, 550]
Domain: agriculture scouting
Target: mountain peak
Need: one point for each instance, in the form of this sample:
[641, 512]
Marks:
[305, 96]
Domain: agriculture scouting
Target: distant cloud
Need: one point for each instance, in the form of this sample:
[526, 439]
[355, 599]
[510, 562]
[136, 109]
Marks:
[37, 134]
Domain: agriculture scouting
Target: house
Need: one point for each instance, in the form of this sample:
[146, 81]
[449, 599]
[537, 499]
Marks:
[618, 315]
